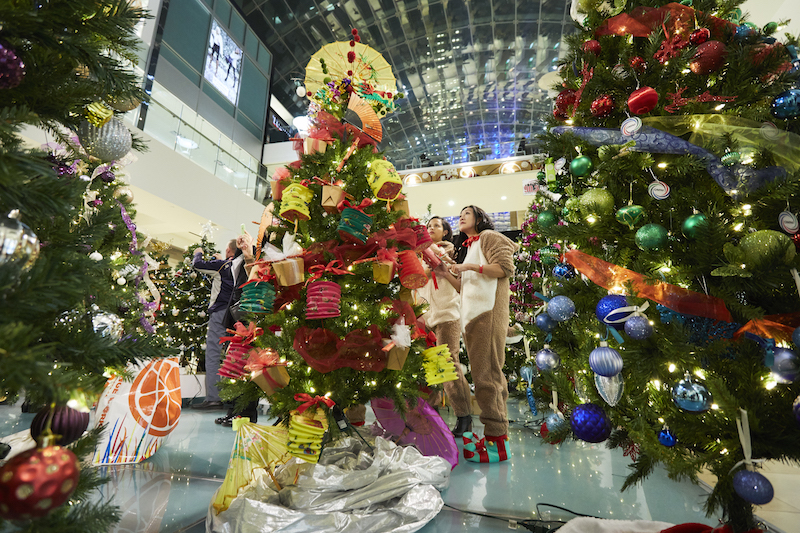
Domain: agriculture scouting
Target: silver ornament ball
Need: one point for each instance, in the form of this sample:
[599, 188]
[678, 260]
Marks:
[108, 143]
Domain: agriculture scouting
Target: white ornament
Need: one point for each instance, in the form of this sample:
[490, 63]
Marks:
[175, 312]
[121, 281]
[201, 314]
[193, 275]
[191, 297]
[96, 256]
[301, 92]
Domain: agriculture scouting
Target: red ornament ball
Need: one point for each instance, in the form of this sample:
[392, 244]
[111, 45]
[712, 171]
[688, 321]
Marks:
[699, 36]
[389, 95]
[354, 31]
[349, 72]
[638, 64]
[357, 38]
[709, 58]
[560, 115]
[602, 106]
[593, 47]
[37, 481]
[643, 100]
[352, 42]
[351, 56]
[565, 99]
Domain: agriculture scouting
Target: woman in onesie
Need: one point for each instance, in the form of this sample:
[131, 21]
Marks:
[485, 262]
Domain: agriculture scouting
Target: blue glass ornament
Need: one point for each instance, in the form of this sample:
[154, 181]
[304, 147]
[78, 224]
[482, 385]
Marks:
[638, 327]
[590, 423]
[564, 271]
[608, 304]
[666, 437]
[786, 365]
[605, 361]
[691, 396]
[610, 389]
[545, 323]
[560, 308]
[526, 373]
[753, 487]
[547, 360]
[554, 422]
[745, 34]
[796, 410]
[787, 104]
[531, 401]
[796, 337]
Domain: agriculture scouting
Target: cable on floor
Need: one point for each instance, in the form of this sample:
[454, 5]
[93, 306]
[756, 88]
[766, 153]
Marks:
[535, 525]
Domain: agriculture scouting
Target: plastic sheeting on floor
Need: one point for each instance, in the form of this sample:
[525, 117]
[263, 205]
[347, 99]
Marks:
[394, 489]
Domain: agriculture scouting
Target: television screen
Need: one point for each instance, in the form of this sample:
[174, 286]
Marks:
[223, 68]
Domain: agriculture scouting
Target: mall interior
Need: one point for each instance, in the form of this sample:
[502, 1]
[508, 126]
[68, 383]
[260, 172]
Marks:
[476, 75]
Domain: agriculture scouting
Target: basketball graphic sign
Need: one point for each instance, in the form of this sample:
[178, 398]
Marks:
[155, 397]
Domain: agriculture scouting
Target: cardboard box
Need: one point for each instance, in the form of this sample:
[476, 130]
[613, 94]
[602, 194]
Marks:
[271, 379]
[289, 271]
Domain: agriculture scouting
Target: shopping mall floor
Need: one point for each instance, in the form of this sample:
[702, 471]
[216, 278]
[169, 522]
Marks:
[171, 491]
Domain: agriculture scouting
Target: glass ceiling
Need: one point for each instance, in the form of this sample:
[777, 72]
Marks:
[469, 69]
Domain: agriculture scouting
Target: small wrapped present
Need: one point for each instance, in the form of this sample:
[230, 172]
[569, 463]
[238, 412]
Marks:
[266, 370]
[289, 271]
[402, 206]
[383, 271]
[397, 358]
[399, 346]
[331, 196]
[313, 146]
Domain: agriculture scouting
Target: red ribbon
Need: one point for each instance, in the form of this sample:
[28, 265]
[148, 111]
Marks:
[470, 240]
[778, 327]
[260, 360]
[242, 334]
[586, 74]
[641, 21]
[310, 402]
[265, 278]
[316, 271]
[366, 202]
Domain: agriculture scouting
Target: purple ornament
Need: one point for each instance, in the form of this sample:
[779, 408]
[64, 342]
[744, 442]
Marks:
[12, 69]
[67, 422]
[96, 203]
[107, 176]
[590, 423]
[753, 487]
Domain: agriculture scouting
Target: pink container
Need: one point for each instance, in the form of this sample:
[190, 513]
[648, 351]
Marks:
[322, 300]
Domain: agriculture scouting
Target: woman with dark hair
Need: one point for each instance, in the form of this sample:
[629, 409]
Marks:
[444, 318]
[481, 274]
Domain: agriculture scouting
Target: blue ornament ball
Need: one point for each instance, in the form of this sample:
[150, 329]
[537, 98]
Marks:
[547, 360]
[605, 361]
[787, 104]
[691, 396]
[545, 323]
[590, 423]
[638, 327]
[554, 422]
[564, 271]
[753, 487]
[560, 308]
[796, 337]
[667, 438]
[608, 304]
[745, 34]
[786, 365]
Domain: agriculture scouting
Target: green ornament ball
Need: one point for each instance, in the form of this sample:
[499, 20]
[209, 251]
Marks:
[691, 226]
[326, 79]
[651, 237]
[630, 215]
[549, 255]
[766, 245]
[731, 158]
[597, 202]
[770, 27]
[541, 176]
[572, 210]
[547, 219]
[580, 166]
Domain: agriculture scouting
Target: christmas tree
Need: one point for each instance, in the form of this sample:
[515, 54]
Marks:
[70, 264]
[661, 303]
[331, 297]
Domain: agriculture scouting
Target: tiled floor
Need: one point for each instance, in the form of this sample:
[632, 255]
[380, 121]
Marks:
[171, 491]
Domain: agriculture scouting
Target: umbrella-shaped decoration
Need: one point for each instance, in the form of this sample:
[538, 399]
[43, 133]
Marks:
[255, 447]
[422, 427]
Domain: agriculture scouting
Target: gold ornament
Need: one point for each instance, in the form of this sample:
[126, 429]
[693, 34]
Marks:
[98, 115]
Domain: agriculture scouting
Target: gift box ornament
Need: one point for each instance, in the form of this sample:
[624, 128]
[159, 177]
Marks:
[306, 431]
[383, 271]
[438, 366]
[235, 359]
[294, 202]
[322, 300]
[423, 237]
[331, 196]
[354, 225]
[401, 206]
[412, 275]
[289, 271]
[314, 146]
[384, 180]
[399, 346]
[257, 297]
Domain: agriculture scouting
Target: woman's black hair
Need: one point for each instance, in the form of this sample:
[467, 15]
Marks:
[482, 222]
[448, 231]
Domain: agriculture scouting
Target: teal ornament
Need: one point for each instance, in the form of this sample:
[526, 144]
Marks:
[354, 226]
[731, 158]
[610, 388]
[580, 166]
[597, 202]
[549, 255]
[692, 225]
[651, 237]
[560, 308]
[630, 215]
[691, 396]
[547, 219]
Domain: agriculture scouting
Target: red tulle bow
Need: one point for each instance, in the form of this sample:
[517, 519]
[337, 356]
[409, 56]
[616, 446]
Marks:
[316, 271]
[366, 202]
[259, 360]
[470, 240]
[310, 402]
[242, 334]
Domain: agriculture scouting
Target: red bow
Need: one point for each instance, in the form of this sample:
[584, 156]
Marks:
[310, 402]
[259, 360]
[366, 202]
[316, 271]
[470, 240]
[242, 334]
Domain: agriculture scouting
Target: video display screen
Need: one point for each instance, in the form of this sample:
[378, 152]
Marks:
[223, 66]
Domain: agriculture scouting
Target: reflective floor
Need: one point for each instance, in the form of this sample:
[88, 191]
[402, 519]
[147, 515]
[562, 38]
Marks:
[171, 491]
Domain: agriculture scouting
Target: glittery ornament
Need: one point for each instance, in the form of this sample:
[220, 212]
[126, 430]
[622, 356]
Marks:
[560, 308]
[590, 423]
[638, 327]
[547, 360]
[597, 202]
[610, 388]
[710, 57]
[786, 364]
[753, 487]
[565, 99]
[602, 106]
[651, 237]
[592, 47]
[699, 36]
[564, 271]
[630, 215]
[745, 34]
[545, 322]
[549, 255]
[691, 227]
[606, 307]
[764, 245]
[638, 64]
[691, 396]
[787, 104]
[580, 166]
[667, 438]
[730, 158]
[643, 100]
[109, 143]
[12, 69]
[107, 176]
[605, 361]
[547, 219]
[554, 422]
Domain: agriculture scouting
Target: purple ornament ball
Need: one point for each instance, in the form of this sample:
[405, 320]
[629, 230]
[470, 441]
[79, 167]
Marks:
[67, 422]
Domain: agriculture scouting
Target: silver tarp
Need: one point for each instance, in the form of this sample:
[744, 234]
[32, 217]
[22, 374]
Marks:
[350, 490]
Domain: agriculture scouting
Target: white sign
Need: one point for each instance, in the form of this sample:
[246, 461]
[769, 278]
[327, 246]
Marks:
[530, 187]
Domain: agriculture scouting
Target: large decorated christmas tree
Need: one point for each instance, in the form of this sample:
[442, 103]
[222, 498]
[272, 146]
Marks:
[74, 301]
[662, 297]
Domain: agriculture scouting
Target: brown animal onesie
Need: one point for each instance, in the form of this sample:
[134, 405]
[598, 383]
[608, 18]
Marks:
[484, 322]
